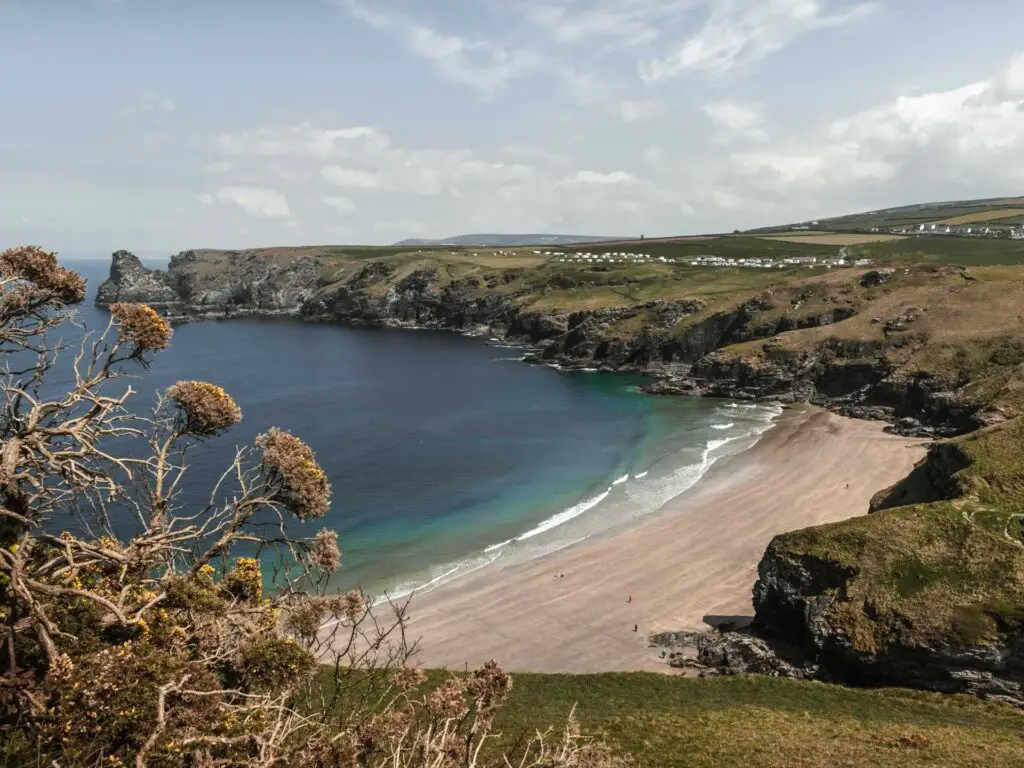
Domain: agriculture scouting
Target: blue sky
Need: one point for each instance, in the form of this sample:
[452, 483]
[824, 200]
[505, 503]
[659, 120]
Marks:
[157, 126]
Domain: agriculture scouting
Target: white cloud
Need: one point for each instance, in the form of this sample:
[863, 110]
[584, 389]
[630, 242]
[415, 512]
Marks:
[620, 22]
[911, 146]
[340, 204]
[258, 202]
[484, 65]
[595, 177]
[303, 140]
[349, 177]
[739, 32]
[737, 119]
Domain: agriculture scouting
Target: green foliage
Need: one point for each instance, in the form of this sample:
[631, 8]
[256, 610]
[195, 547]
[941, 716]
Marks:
[273, 664]
[106, 705]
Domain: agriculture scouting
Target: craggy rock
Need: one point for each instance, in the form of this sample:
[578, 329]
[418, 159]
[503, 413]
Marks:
[676, 341]
[130, 281]
[796, 601]
[876, 277]
[674, 639]
[739, 653]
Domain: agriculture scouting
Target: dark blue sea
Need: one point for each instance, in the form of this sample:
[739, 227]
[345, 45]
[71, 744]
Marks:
[446, 453]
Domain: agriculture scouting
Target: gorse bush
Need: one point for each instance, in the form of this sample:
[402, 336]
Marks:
[169, 639]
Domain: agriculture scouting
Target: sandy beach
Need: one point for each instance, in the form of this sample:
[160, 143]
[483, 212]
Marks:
[695, 558]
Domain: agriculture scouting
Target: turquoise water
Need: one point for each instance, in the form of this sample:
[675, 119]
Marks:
[445, 453]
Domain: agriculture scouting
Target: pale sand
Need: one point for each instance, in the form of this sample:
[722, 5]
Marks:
[697, 557]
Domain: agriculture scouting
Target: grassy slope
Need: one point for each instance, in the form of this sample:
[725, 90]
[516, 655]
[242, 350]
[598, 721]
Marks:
[673, 721]
[923, 213]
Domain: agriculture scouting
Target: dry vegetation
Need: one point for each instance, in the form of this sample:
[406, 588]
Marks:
[136, 631]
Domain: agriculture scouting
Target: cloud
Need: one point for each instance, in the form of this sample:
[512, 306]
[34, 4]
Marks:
[149, 102]
[484, 65]
[302, 140]
[741, 32]
[594, 177]
[349, 177]
[518, 186]
[258, 202]
[601, 93]
[619, 22]
[738, 120]
[944, 140]
[340, 204]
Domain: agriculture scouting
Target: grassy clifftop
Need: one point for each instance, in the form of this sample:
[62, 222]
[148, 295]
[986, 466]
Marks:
[928, 590]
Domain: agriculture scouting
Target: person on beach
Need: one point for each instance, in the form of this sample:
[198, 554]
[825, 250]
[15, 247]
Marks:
[634, 627]
[630, 600]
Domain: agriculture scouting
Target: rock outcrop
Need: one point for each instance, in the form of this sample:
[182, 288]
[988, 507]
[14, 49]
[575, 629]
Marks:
[805, 601]
[130, 281]
[688, 347]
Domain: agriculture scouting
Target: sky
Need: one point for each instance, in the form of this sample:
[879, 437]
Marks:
[159, 125]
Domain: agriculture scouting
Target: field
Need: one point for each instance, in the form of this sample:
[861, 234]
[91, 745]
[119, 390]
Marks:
[970, 251]
[833, 239]
[971, 218]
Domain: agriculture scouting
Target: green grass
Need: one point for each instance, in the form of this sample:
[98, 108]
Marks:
[969, 251]
[665, 721]
[756, 721]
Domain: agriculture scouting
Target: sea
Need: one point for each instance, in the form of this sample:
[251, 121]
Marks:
[446, 453]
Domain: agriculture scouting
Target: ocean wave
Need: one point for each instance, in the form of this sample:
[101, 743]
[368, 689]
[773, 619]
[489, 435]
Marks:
[503, 359]
[499, 545]
[565, 516]
[645, 497]
[730, 425]
[452, 572]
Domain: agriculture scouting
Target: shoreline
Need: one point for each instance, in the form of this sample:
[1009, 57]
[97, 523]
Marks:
[691, 561]
[588, 517]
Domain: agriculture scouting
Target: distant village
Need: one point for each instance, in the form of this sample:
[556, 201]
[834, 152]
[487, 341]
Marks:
[1014, 233]
[826, 262]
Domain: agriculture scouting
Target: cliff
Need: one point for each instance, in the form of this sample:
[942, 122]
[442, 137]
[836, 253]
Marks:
[928, 594]
[927, 591]
[905, 346]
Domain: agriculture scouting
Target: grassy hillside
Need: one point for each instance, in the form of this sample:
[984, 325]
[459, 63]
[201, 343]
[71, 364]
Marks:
[668, 721]
[768, 722]
[921, 213]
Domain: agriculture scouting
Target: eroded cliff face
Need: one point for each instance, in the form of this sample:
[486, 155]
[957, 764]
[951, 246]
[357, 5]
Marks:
[848, 632]
[132, 282]
[689, 347]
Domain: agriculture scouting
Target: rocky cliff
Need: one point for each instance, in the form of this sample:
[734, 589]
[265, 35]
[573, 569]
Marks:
[130, 281]
[775, 344]
[927, 591]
